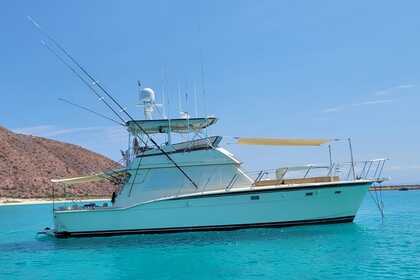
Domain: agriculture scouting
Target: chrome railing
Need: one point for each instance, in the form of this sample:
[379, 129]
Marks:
[358, 170]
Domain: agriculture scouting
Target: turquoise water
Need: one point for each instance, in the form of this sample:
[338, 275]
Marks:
[366, 249]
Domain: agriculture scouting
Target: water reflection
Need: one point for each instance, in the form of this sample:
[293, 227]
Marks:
[193, 239]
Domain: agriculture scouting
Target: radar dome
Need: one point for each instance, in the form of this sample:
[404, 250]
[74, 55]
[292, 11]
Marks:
[147, 95]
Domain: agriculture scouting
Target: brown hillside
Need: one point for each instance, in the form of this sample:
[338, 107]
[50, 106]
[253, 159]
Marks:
[28, 163]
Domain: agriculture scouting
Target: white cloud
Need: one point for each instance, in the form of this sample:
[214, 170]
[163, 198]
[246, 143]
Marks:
[415, 167]
[365, 103]
[402, 168]
[374, 102]
[34, 130]
[52, 130]
[393, 90]
[383, 92]
[116, 134]
[394, 168]
[406, 86]
[333, 109]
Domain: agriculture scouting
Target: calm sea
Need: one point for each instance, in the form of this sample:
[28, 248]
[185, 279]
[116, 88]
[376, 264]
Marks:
[366, 249]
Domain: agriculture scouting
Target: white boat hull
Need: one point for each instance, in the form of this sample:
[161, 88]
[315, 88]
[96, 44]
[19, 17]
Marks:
[257, 207]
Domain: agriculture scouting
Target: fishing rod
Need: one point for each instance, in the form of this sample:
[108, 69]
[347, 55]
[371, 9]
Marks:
[74, 71]
[82, 79]
[92, 89]
[91, 111]
[96, 83]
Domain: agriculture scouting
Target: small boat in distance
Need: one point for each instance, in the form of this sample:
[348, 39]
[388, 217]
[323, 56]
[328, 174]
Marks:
[197, 185]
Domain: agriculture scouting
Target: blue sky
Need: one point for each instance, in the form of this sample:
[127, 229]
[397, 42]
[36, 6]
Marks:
[272, 68]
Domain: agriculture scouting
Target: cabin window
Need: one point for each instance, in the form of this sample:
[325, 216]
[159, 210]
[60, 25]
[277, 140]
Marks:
[255, 197]
[337, 192]
[309, 194]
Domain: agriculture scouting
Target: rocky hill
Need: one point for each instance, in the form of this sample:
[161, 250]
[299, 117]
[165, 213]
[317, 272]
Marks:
[28, 163]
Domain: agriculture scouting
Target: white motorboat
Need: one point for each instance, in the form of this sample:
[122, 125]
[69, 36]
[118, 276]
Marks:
[197, 185]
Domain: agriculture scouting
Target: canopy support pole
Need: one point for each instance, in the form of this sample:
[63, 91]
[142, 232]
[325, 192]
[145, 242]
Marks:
[169, 132]
[351, 158]
[330, 154]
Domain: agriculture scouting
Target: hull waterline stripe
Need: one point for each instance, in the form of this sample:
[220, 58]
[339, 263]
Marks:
[346, 219]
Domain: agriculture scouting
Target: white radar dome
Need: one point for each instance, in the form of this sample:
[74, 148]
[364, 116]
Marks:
[147, 95]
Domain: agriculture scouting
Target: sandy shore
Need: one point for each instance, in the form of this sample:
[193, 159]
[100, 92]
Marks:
[6, 201]
[395, 188]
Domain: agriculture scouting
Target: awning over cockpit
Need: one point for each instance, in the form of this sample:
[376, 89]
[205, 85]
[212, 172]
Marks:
[173, 125]
[281, 141]
[109, 175]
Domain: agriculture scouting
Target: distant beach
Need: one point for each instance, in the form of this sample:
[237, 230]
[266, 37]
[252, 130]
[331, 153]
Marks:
[395, 188]
[5, 201]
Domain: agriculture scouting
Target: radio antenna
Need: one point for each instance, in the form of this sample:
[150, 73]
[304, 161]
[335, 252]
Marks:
[195, 101]
[108, 94]
[202, 70]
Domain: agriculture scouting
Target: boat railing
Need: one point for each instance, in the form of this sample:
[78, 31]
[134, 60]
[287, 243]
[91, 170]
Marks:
[345, 171]
[363, 170]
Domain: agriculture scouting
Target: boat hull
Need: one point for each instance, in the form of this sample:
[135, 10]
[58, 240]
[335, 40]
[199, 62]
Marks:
[268, 207]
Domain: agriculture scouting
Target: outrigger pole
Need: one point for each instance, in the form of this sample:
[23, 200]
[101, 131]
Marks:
[95, 82]
[82, 79]
[91, 111]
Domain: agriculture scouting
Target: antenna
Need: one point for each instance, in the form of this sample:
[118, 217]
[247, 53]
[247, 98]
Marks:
[203, 88]
[202, 72]
[179, 99]
[164, 110]
[186, 104]
[195, 101]
[183, 114]
[168, 102]
[108, 94]
[163, 105]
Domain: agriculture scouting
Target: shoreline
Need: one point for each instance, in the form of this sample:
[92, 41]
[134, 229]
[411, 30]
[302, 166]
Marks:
[395, 188]
[9, 201]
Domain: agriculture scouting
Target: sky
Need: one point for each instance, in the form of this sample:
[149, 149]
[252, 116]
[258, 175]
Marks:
[300, 69]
